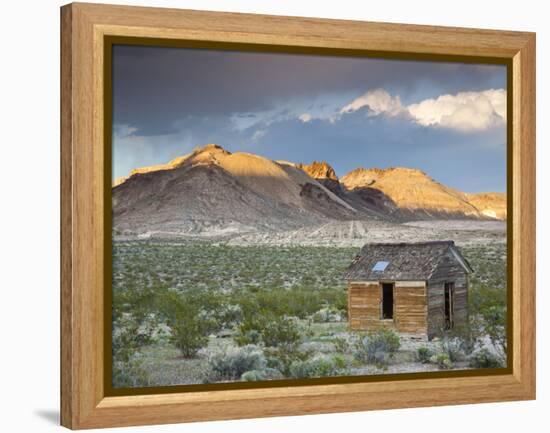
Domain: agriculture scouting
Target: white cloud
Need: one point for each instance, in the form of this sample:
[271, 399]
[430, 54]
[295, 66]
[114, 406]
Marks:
[258, 134]
[498, 99]
[305, 117]
[465, 111]
[123, 130]
[379, 102]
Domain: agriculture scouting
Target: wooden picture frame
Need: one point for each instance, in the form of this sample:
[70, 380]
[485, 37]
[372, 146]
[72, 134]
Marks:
[84, 30]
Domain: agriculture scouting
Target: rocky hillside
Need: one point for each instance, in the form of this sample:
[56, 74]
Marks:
[412, 194]
[490, 204]
[212, 192]
[324, 174]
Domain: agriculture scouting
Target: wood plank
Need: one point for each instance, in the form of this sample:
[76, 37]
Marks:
[522, 182]
[68, 397]
[309, 32]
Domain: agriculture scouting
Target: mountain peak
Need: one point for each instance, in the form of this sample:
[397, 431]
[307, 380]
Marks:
[209, 153]
[385, 171]
[199, 153]
[361, 177]
[324, 174]
[210, 147]
[319, 170]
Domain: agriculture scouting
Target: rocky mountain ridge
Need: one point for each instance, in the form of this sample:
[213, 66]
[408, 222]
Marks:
[212, 192]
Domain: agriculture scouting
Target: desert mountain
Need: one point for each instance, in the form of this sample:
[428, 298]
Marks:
[176, 162]
[412, 194]
[213, 192]
[324, 174]
[490, 204]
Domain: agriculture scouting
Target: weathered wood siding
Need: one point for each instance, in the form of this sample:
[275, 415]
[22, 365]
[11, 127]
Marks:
[410, 307]
[364, 306]
[448, 271]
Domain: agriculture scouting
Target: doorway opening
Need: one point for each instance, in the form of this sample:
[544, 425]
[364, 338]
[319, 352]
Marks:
[449, 305]
[387, 301]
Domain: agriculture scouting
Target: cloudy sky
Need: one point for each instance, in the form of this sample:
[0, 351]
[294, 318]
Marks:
[448, 119]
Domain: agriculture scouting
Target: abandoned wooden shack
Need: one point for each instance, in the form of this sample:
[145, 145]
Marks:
[415, 288]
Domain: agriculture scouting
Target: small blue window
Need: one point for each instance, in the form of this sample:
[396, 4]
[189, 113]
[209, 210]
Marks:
[380, 266]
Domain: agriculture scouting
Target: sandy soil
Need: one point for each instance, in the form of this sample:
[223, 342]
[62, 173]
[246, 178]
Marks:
[357, 233]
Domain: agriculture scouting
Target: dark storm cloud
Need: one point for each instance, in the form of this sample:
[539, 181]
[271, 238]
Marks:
[156, 87]
[472, 163]
[168, 101]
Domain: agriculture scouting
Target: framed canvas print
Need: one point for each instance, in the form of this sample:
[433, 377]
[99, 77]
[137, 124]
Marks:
[270, 216]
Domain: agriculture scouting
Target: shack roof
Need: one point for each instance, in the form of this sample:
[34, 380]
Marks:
[402, 261]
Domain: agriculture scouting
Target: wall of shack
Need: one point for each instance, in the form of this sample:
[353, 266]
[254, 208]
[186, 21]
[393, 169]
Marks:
[410, 307]
[448, 270]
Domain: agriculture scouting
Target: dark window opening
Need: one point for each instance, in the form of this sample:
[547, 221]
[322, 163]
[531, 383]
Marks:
[387, 301]
[449, 305]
